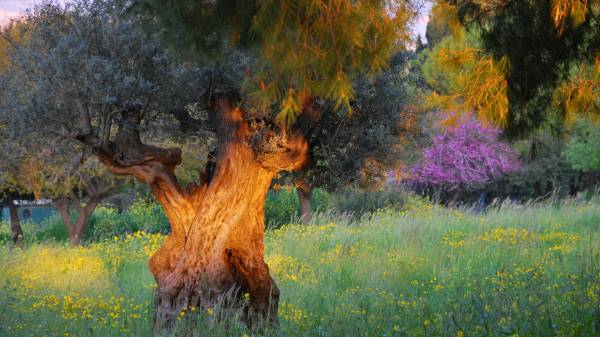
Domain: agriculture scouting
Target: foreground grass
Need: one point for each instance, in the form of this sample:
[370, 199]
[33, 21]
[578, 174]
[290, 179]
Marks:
[519, 271]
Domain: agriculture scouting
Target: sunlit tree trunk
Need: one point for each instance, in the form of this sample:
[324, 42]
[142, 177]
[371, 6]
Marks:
[15, 225]
[215, 248]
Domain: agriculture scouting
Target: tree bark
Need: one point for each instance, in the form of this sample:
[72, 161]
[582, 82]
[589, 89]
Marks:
[305, 197]
[15, 225]
[214, 255]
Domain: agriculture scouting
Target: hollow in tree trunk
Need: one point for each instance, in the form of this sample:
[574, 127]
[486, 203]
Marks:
[15, 225]
[304, 192]
[215, 247]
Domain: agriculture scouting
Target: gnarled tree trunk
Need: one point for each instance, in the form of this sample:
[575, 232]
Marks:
[216, 247]
[15, 225]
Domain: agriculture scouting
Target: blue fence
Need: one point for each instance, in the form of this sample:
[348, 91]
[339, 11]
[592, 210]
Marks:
[35, 214]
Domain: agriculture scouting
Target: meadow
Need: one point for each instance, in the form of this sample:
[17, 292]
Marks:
[518, 270]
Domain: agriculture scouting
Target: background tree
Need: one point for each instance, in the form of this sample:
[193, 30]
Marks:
[466, 156]
[443, 21]
[546, 171]
[10, 189]
[545, 53]
[359, 150]
[260, 105]
[583, 149]
[550, 47]
[76, 183]
[463, 78]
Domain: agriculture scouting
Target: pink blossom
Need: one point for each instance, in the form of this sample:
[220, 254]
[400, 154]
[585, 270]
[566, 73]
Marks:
[469, 154]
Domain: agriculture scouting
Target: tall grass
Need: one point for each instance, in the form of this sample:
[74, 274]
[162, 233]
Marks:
[517, 270]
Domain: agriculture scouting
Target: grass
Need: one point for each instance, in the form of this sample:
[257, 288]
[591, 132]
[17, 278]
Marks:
[530, 270]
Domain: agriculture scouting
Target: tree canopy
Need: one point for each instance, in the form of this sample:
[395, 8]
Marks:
[582, 150]
[467, 155]
[303, 48]
[550, 48]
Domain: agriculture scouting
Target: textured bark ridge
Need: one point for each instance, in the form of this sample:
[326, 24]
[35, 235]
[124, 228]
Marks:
[216, 245]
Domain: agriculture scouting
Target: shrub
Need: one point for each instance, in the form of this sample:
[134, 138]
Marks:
[547, 170]
[30, 231]
[143, 215]
[148, 216]
[583, 149]
[283, 207]
[359, 202]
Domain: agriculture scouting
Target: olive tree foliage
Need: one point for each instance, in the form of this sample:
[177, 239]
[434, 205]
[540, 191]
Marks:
[83, 67]
[358, 150]
[78, 70]
[86, 64]
[75, 182]
[10, 189]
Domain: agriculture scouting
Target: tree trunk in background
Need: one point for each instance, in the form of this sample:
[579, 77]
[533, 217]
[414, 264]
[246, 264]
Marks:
[437, 196]
[305, 197]
[76, 229]
[214, 255]
[454, 200]
[15, 224]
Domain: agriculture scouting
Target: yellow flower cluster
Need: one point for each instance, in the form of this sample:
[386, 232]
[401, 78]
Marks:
[509, 235]
[454, 239]
[288, 268]
[139, 245]
[554, 241]
[292, 313]
[112, 310]
[60, 269]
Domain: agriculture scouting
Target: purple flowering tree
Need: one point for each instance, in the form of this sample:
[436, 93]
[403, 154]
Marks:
[465, 156]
